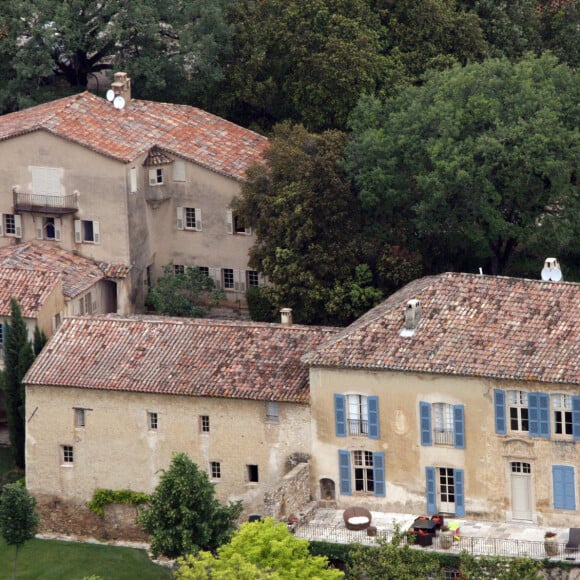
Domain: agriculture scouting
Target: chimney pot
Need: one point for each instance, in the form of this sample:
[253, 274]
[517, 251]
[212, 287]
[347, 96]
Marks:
[412, 314]
[286, 316]
[121, 85]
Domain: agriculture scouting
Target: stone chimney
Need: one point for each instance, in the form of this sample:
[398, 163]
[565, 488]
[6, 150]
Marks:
[121, 86]
[412, 314]
[286, 315]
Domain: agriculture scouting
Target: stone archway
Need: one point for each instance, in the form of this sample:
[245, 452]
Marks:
[327, 489]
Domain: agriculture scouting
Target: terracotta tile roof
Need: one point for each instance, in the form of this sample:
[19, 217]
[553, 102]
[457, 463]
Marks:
[30, 288]
[78, 273]
[241, 360]
[112, 270]
[126, 134]
[156, 157]
[496, 327]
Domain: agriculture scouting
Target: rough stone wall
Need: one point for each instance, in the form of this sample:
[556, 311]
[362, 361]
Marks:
[75, 519]
[292, 496]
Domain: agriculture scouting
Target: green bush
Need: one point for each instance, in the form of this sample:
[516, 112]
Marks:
[104, 497]
[260, 307]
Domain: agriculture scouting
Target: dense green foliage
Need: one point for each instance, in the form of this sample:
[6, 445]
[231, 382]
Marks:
[51, 559]
[105, 497]
[500, 568]
[184, 294]
[261, 550]
[18, 358]
[478, 163]
[183, 515]
[18, 517]
[308, 224]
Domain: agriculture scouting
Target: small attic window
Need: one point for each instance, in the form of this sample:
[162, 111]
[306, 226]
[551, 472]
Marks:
[413, 315]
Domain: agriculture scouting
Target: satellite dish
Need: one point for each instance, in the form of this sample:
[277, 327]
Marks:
[546, 273]
[110, 95]
[556, 275]
[119, 102]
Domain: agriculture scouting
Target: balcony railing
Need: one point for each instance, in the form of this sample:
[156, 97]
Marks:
[507, 547]
[358, 427]
[443, 437]
[55, 204]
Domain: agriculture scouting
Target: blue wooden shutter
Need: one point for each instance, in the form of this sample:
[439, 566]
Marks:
[539, 414]
[425, 416]
[458, 427]
[431, 493]
[379, 473]
[499, 403]
[576, 418]
[373, 408]
[344, 471]
[564, 488]
[340, 415]
[459, 492]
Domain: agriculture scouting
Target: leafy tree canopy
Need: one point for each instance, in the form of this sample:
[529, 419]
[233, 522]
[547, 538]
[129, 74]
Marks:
[477, 164]
[308, 225]
[18, 518]
[184, 293]
[183, 514]
[170, 49]
[262, 550]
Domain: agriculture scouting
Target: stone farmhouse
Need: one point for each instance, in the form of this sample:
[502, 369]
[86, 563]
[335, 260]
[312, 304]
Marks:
[143, 184]
[459, 394]
[110, 399]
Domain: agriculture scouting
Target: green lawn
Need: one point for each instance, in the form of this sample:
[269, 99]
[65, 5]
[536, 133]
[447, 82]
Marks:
[56, 560]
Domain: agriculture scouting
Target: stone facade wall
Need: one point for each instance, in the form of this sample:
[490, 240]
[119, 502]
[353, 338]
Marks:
[76, 519]
[292, 496]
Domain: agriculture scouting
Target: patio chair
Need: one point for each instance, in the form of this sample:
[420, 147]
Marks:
[357, 518]
[573, 539]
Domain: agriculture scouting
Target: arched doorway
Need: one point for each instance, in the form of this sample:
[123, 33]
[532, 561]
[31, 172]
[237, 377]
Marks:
[327, 489]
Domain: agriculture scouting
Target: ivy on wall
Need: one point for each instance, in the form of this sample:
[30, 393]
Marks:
[105, 497]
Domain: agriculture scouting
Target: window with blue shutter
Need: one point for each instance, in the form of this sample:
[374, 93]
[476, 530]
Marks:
[373, 409]
[564, 487]
[459, 492]
[344, 471]
[576, 418]
[499, 404]
[425, 419]
[340, 415]
[431, 490]
[458, 427]
[379, 473]
[539, 414]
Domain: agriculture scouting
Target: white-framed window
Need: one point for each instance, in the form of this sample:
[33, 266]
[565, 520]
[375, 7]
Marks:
[178, 170]
[252, 278]
[272, 411]
[518, 406]
[67, 454]
[10, 225]
[228, 282]
[204, 270]
[87, 232]
[133, 180]
[215, 468]
[363, 469]
[443, 420]
[562, 413]
[253, 474]
[189, 218]
[80, 418]
[235, 224]
[152, 420]
[204, 423]
[358, 415]
[156, 176]
[178, 269]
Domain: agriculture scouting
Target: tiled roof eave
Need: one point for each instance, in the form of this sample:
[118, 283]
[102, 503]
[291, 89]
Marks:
[406, 369]
[297, 398]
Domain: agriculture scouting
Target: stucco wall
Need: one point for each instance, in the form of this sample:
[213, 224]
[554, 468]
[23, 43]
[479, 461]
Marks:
[117, 450]
[485, 460]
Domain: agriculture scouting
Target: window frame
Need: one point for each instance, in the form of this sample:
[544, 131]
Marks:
[215, 469]
[80, 417]
[204, 424]
[67, 455]
[357, 423]
[518, 411]
[253, 473]
[228, 274]
[81, 230]
[252, 279]
[562, 415]
[272, 412]
[152, 420]
[362, 465]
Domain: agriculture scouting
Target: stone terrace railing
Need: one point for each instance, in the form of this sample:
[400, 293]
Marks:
[476, 546]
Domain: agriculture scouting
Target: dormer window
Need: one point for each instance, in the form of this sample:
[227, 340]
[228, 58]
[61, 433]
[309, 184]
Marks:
[156, 176]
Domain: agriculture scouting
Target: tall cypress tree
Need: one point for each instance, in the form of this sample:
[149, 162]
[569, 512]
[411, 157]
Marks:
[19, 356]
